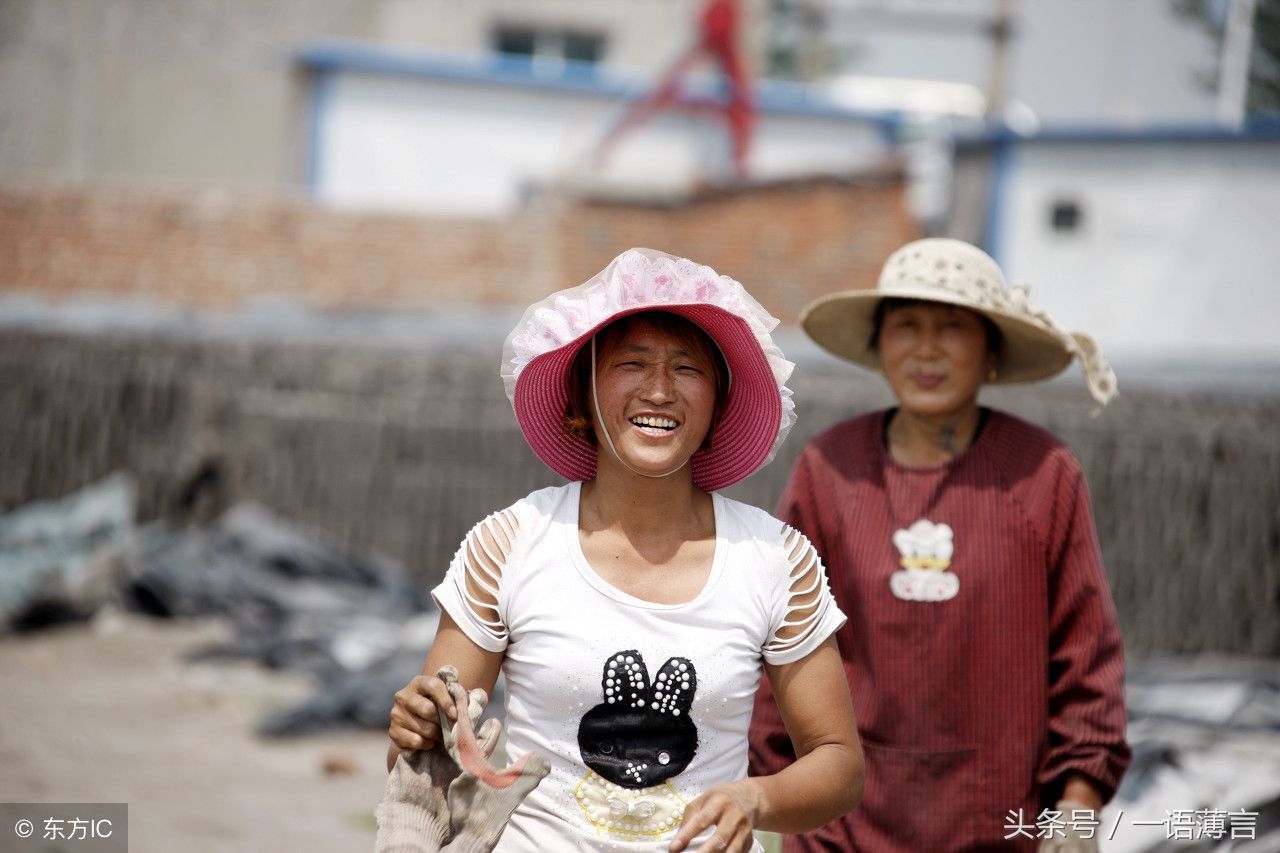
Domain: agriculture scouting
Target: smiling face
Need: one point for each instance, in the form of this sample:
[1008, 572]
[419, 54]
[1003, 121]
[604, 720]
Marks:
[657, 391]
[935, 356]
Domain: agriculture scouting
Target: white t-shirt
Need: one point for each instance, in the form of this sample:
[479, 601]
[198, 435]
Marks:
[640, 707]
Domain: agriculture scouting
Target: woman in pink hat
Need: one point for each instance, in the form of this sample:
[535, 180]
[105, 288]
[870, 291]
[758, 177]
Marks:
[982, 651]
[633, 610]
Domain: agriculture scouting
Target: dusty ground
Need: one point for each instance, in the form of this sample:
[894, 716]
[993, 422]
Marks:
[111, 712]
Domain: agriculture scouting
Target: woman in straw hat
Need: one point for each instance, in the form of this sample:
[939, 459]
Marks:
[982, 648]
[633, 610]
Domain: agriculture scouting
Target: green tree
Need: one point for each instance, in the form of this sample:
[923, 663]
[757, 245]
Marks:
[1262, 97]
[1264, 62]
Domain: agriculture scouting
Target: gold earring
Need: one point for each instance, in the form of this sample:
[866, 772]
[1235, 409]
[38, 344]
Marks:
[992, 375]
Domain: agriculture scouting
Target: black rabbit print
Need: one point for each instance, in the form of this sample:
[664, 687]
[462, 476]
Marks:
[640, 735]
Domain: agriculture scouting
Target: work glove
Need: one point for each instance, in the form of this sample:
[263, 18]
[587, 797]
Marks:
[450, 798]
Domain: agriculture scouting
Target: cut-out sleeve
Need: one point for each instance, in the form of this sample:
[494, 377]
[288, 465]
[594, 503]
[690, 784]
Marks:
[471, 591]
[806, 613]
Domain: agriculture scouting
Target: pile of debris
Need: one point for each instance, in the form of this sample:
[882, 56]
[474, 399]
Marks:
[1205, 734]
[296, 602]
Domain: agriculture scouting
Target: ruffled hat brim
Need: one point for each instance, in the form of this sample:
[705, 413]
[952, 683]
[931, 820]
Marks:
[758, 411]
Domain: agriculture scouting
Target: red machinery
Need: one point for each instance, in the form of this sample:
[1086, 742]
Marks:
[718, 40]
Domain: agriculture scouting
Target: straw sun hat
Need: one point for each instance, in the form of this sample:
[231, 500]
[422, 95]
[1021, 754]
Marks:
[538, 354]
[956, 273]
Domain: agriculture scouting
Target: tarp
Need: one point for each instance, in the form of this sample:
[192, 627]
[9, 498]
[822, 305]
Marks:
[296, 601]
[1205, 734]
[61, 560]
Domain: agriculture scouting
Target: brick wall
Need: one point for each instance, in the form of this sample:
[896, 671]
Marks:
[216, 250]
[786, 242]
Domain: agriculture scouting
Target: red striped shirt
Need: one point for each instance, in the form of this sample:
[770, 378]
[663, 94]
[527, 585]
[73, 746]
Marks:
[973, 707]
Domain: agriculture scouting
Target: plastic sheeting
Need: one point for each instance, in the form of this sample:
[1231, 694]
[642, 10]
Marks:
[1205, 734]
[61, 560]
[296, 602]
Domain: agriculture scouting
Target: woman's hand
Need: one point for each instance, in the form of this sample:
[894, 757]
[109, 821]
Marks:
[732, 809]
[415, 722]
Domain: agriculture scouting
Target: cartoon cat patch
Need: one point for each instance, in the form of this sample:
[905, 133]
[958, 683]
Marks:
[640, 736]
[926, 550]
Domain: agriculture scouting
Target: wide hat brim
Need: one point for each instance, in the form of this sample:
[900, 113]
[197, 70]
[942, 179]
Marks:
[842, 323]
[743, 439]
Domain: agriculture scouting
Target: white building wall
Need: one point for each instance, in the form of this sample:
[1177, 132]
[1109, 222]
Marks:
[1177, 251]
[471, 148]
[1118, 62]
[1106, 62]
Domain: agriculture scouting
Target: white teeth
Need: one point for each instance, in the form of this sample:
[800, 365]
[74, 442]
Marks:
[661, 423]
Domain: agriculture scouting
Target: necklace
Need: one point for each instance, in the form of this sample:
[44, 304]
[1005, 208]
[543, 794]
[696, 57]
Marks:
[947, 440]
[912, 493]
[924, 544]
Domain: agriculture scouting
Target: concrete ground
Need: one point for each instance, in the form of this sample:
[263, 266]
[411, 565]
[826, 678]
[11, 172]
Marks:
[112, 712]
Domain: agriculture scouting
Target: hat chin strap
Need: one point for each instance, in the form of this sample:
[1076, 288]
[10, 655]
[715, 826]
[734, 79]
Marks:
[600, 427]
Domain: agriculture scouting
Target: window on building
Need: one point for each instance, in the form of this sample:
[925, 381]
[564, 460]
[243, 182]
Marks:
[548, 44]
[583, 47]
[1065, 215]
[520, 41]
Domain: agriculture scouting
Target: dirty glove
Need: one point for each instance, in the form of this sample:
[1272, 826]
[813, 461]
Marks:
[413, 816]
[449, 798]
[1074, 831]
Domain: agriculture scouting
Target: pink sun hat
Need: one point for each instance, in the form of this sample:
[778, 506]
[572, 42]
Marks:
[537, 356]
